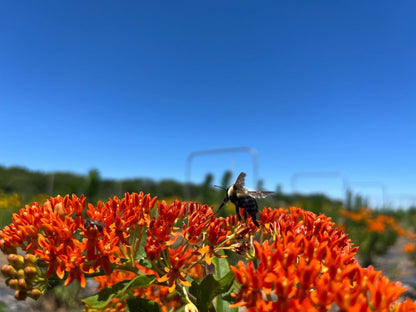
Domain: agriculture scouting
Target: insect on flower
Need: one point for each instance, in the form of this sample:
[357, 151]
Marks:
[242, 198]
[91, 224]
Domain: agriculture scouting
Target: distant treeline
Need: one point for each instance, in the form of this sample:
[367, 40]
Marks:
[28, 184]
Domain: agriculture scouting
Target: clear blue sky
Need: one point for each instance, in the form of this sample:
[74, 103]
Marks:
[133, 87]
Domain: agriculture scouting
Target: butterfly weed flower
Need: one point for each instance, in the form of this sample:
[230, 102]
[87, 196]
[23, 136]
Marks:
[294, 260]
[310, 266]
[179, 262]
[216, 234]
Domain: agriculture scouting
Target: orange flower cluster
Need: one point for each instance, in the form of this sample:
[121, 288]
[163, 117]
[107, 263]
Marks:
[72, 242]
[361, 215]
[67, 245]
[410, 247]
[310, 266]
[300, 263]
[176, 253]
[200, 237]
[377, 224]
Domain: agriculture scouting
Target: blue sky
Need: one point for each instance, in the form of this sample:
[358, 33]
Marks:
[132, 88]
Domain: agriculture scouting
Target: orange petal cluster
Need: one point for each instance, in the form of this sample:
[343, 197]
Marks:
[180, 262]
[174, 264]
[310, 266]
[374, 223]
[56, 233]
[301, 263]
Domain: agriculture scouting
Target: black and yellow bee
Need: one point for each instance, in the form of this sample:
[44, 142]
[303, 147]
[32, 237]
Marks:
[243, 198]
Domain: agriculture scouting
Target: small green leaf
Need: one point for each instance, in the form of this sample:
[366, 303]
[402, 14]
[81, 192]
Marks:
[209, 288]
[222, 267]
[101, 300]
[226, 300]
[138, 304]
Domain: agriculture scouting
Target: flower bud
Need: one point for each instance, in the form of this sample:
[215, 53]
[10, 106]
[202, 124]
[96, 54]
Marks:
[16, 260]
[35, 293]
[8, 270]
[30, 259]
[20, 294]
[12, 283]
[59, 209]
[30, 272]
[21, 282]
[20, 273]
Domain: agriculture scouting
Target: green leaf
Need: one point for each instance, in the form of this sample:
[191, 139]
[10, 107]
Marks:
[208, 289]
[100, 301]
[138, 304]
[226, 300]
[222, 268]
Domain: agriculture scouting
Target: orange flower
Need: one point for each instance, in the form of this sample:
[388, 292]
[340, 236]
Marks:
[124, 216]
[217, 233]
[58, 217]
[115, 277]
[179, 261]
[198, 218]
[153, 248]
[171, 212]
[411, 247]
[50, 231]
[310, 266]
[361, 215]
[376, 225]
[406, 306]
[74, 265]
[269, 216]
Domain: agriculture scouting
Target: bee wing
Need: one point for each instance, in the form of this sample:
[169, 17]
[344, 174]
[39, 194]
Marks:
[239, 183]
[258, 194]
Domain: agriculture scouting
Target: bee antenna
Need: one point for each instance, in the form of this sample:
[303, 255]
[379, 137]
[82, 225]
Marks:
[220, 187]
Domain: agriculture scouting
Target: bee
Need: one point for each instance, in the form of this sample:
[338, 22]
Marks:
[242, 198]
[91, 224]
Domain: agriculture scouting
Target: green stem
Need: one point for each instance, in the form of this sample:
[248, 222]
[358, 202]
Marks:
[136, 244]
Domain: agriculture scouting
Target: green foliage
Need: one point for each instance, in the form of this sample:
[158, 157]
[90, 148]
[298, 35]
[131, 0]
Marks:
[226, 179]
[92, 187]
[28, 184]
[6, 216]
[206, 193]
[3, 307]
[208, 289]
[223, 272]
[138, 304]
